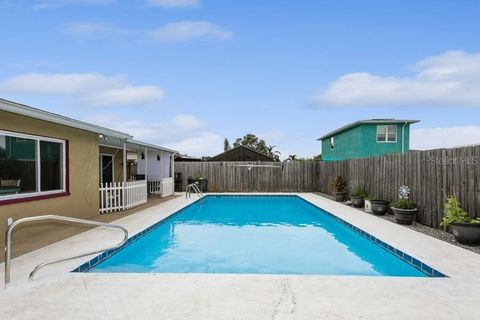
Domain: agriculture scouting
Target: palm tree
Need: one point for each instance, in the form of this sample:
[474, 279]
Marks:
[292, 157]
[274, 154]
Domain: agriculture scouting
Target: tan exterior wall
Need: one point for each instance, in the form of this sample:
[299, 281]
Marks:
[117, 162]
[83, 201]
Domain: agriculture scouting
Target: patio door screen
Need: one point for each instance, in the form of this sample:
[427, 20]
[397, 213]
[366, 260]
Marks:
[106, 168]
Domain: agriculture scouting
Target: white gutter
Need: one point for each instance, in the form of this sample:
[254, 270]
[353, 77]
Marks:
[403, 137]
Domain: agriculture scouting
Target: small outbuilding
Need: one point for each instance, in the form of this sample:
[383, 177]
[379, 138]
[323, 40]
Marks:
[241, 153]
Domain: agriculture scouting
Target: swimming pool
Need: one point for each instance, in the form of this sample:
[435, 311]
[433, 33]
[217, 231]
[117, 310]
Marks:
[258, 235]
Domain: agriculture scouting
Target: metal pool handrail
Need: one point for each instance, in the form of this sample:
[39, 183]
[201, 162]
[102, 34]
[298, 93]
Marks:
[193, 187]
[8, 241]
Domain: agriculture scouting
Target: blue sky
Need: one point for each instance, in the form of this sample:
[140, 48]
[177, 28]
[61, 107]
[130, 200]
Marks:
[188, 73]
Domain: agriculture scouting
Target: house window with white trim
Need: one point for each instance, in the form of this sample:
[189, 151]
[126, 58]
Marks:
[332, 143]
[30, 165]
[387, 133]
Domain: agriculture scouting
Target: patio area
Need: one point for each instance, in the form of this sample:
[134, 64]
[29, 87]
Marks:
[58, 294]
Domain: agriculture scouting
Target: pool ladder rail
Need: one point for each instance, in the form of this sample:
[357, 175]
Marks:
[193, 188]
[11, 227]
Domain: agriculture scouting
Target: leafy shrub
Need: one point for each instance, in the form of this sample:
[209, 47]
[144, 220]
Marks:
[338, 184]
[453, 212]
[406, 204]
[360, 193]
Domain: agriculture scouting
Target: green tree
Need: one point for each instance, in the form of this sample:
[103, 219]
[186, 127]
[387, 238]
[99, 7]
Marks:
[253, 142]
[274, 154]
[226, 145]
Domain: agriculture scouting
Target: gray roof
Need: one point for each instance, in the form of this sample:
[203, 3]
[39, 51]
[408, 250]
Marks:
[359, 122]
[151, 146]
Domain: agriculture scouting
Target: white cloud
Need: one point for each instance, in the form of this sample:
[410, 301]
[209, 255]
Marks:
[48, 4]
[449, 79]
[174, 3]
[189, 30]
[203, 144]
[445, 137]
[185, 133]
[89, 30]
[93, 89]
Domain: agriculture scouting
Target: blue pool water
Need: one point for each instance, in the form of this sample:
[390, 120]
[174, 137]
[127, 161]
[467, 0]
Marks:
[259, 235]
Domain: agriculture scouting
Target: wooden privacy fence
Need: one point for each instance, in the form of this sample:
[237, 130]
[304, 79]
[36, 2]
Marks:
[427, 173]
[229, 177]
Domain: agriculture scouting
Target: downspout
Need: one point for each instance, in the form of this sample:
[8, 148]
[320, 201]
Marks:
[403, 137]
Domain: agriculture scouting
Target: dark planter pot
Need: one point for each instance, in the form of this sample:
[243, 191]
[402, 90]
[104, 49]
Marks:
[339, 196]
[357, 201]
[466, 233]
[202, 183]
[379, 207]
[404, 216]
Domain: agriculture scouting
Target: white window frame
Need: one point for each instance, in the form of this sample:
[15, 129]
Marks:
[332, 143]
[387, 132]
[37, 140]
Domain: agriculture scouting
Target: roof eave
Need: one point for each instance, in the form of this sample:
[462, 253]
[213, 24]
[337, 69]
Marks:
[21, 109]
[356, 123]
[152, 146]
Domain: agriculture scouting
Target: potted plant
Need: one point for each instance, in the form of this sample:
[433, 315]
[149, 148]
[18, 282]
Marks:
[404, 209]
[338, 186]
[358, 198]
[379, 206]
[465, 230]
[200, 180]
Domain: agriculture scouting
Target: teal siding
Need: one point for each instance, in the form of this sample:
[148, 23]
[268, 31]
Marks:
[361, 142]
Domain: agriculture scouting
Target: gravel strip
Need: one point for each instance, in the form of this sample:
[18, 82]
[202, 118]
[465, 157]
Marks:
[432, 232]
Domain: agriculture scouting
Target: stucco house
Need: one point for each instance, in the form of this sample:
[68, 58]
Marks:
[51, 164]
[367, 138]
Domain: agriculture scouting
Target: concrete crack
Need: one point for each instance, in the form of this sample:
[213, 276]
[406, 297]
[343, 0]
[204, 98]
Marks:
[287, 303]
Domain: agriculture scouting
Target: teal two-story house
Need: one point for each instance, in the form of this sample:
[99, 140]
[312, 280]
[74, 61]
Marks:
[367, 138]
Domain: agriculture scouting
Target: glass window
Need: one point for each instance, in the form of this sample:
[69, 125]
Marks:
[18, 170]
[51, 166]
[387, 133]
[30, 165]
[381, 133]
[392, 133]
[332, 143]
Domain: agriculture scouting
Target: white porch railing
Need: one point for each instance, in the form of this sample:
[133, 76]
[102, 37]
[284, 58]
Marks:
[155, 187]
[118, 196]
[167, 187]
[163, 188]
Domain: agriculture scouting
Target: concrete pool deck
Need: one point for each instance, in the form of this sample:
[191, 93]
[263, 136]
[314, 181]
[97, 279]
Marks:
[58, 294]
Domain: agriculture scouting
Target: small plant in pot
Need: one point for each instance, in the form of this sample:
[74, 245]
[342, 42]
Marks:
[338, 186]
[465, 230]
[200, 180]
[404, 209]
[358, 198]
[379, 206]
